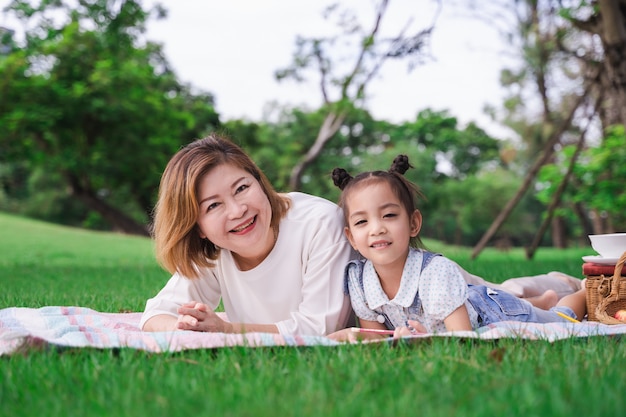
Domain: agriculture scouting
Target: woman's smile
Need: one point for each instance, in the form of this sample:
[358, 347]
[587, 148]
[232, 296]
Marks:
[244, 227]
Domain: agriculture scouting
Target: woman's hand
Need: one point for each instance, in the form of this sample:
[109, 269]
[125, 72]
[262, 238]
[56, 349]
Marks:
[344, 335]
[199, 317]
[349, 335]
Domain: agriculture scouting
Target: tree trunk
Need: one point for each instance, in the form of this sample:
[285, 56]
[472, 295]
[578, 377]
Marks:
[116, 218]
[530, 176]
[583, 219]
[558, 232]
[613, 35]
[331, 125]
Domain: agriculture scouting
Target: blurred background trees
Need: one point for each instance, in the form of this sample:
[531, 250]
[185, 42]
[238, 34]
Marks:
[90, 113]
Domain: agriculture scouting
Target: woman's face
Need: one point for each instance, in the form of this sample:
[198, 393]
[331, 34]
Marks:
[235, 214]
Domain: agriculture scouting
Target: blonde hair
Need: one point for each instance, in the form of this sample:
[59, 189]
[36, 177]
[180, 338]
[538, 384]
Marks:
[179, 247]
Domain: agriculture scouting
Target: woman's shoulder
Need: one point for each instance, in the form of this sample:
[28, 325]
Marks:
[305, 205]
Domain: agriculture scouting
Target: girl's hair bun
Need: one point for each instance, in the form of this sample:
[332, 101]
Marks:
[341, 178]
[400, 164]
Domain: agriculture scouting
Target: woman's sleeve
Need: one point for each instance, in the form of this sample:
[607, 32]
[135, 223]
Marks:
[324, 307]
[180, 290]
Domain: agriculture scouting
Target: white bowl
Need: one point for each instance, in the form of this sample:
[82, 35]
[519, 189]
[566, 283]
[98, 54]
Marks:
[609, 245]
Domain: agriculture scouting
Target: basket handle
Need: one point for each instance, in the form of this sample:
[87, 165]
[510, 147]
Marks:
[601, 314]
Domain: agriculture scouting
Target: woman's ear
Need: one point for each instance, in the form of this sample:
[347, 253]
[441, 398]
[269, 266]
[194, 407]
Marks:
[416, 223]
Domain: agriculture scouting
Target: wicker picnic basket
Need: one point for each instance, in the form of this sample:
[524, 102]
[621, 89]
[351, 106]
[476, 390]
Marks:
[606, 295]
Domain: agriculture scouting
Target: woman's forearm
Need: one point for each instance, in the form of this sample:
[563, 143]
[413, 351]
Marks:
[160, 323]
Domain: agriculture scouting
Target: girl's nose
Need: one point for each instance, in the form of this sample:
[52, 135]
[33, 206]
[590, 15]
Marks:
[377, 227]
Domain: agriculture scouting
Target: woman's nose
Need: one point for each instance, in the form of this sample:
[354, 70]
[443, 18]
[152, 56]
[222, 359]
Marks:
[236, 209]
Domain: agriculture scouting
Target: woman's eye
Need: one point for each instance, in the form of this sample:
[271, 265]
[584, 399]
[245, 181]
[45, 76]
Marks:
[212, 206]
[241, 188]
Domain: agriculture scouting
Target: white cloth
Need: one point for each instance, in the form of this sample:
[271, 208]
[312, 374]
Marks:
[298, 287]
[531, 286]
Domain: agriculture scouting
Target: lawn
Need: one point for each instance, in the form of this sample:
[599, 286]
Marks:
[44, 264]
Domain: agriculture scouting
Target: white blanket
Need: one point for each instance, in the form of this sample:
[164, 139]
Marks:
[24, 328]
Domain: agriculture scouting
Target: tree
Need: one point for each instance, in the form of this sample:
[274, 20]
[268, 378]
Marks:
[606, 20]
[88, 98]
[570, 69]
[344, 87]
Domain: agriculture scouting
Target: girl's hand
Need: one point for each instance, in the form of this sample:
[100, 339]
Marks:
[199, 317]
[413, 328]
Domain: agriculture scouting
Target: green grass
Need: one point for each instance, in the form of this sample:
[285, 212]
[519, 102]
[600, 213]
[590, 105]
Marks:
[42, 264]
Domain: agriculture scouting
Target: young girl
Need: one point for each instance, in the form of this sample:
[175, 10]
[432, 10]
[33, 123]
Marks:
[400, 285]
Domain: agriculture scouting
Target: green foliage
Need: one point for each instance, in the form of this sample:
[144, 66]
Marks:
[466, 208]
[598, 178]
[602, 175]
[91, 101]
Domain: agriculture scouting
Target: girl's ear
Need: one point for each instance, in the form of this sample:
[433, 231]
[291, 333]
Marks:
[348, 234]
[416, 223]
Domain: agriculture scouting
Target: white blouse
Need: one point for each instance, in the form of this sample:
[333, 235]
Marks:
[298, 287]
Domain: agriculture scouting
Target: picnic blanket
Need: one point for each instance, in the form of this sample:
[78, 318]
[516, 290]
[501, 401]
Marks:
[57, 326]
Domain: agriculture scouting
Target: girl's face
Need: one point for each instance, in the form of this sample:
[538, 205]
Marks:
[379, 226]
[235, 214]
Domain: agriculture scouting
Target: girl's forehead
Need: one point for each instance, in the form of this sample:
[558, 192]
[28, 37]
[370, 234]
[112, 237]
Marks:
[371, 192]
[367, 185]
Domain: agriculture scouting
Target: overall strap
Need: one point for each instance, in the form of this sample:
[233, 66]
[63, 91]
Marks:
[426, 258]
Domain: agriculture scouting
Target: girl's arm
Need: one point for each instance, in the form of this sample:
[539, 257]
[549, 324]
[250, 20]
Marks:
[458, 320]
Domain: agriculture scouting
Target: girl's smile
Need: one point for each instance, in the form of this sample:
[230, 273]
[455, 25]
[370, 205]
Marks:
[380, 244]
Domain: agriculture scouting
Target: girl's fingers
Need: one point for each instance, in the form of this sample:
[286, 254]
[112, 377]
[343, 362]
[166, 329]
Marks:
[417, 326]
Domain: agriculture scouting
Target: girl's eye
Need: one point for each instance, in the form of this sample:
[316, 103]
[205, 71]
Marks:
[390, 215]
[360, 222]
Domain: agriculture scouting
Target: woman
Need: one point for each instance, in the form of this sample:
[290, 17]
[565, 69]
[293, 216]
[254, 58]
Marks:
[275, 260]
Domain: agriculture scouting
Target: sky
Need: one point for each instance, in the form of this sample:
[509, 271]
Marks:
[232, 49]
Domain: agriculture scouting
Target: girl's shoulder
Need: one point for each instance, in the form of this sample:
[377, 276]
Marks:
[427, 258]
